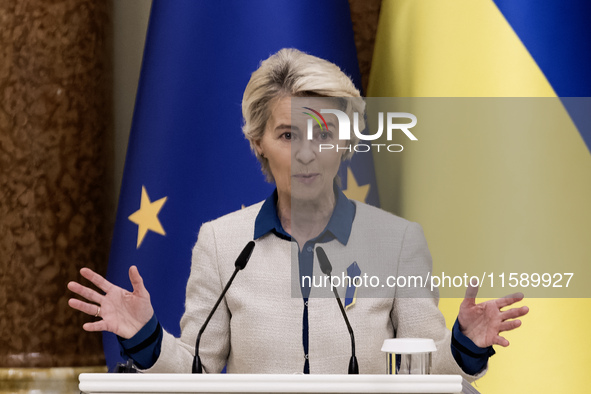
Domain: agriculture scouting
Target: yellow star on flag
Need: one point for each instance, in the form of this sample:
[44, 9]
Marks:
[147, 217]
[354, 191]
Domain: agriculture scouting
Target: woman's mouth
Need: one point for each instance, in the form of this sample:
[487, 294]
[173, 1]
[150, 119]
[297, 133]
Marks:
[306, 178]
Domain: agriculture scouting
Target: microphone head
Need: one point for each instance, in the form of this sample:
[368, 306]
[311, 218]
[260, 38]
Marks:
[244, 256]
[325, 265]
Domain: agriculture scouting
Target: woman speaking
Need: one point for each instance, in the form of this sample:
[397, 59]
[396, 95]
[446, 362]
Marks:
[263, 325]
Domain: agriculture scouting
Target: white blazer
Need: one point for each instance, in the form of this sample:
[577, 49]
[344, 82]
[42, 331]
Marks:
[258, 326]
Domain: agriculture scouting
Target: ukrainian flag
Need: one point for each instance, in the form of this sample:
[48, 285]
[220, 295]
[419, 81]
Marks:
[502, 48]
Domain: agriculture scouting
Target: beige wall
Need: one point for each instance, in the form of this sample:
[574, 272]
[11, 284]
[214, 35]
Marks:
[130, 22]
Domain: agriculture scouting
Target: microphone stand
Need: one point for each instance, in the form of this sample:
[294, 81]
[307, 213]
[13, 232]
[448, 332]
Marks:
[197, 367]
[240, 264]
[326, 268]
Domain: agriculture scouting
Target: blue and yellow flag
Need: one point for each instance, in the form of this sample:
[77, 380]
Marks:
[187, 160]
[502, 198]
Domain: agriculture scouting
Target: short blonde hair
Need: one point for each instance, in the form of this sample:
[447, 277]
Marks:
[290, 72]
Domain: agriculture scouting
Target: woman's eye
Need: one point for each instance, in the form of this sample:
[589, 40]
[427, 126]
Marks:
[286, 136]
[324, 135]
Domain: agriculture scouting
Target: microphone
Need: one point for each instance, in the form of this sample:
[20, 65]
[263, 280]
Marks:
[239, 264]
[326, 268]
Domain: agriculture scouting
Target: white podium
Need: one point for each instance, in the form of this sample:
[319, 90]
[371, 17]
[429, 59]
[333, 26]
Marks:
[259, 383]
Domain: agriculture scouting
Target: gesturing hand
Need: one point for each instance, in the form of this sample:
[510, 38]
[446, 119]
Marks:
[122, 312]
[483, 322]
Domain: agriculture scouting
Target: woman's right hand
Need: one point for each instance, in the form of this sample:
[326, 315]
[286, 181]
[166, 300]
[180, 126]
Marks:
[121, 312]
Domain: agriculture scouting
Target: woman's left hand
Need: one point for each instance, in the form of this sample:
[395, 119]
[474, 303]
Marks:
[483, 322]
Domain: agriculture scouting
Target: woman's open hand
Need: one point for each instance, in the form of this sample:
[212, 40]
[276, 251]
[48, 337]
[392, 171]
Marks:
[483, 322]
[121, 312]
